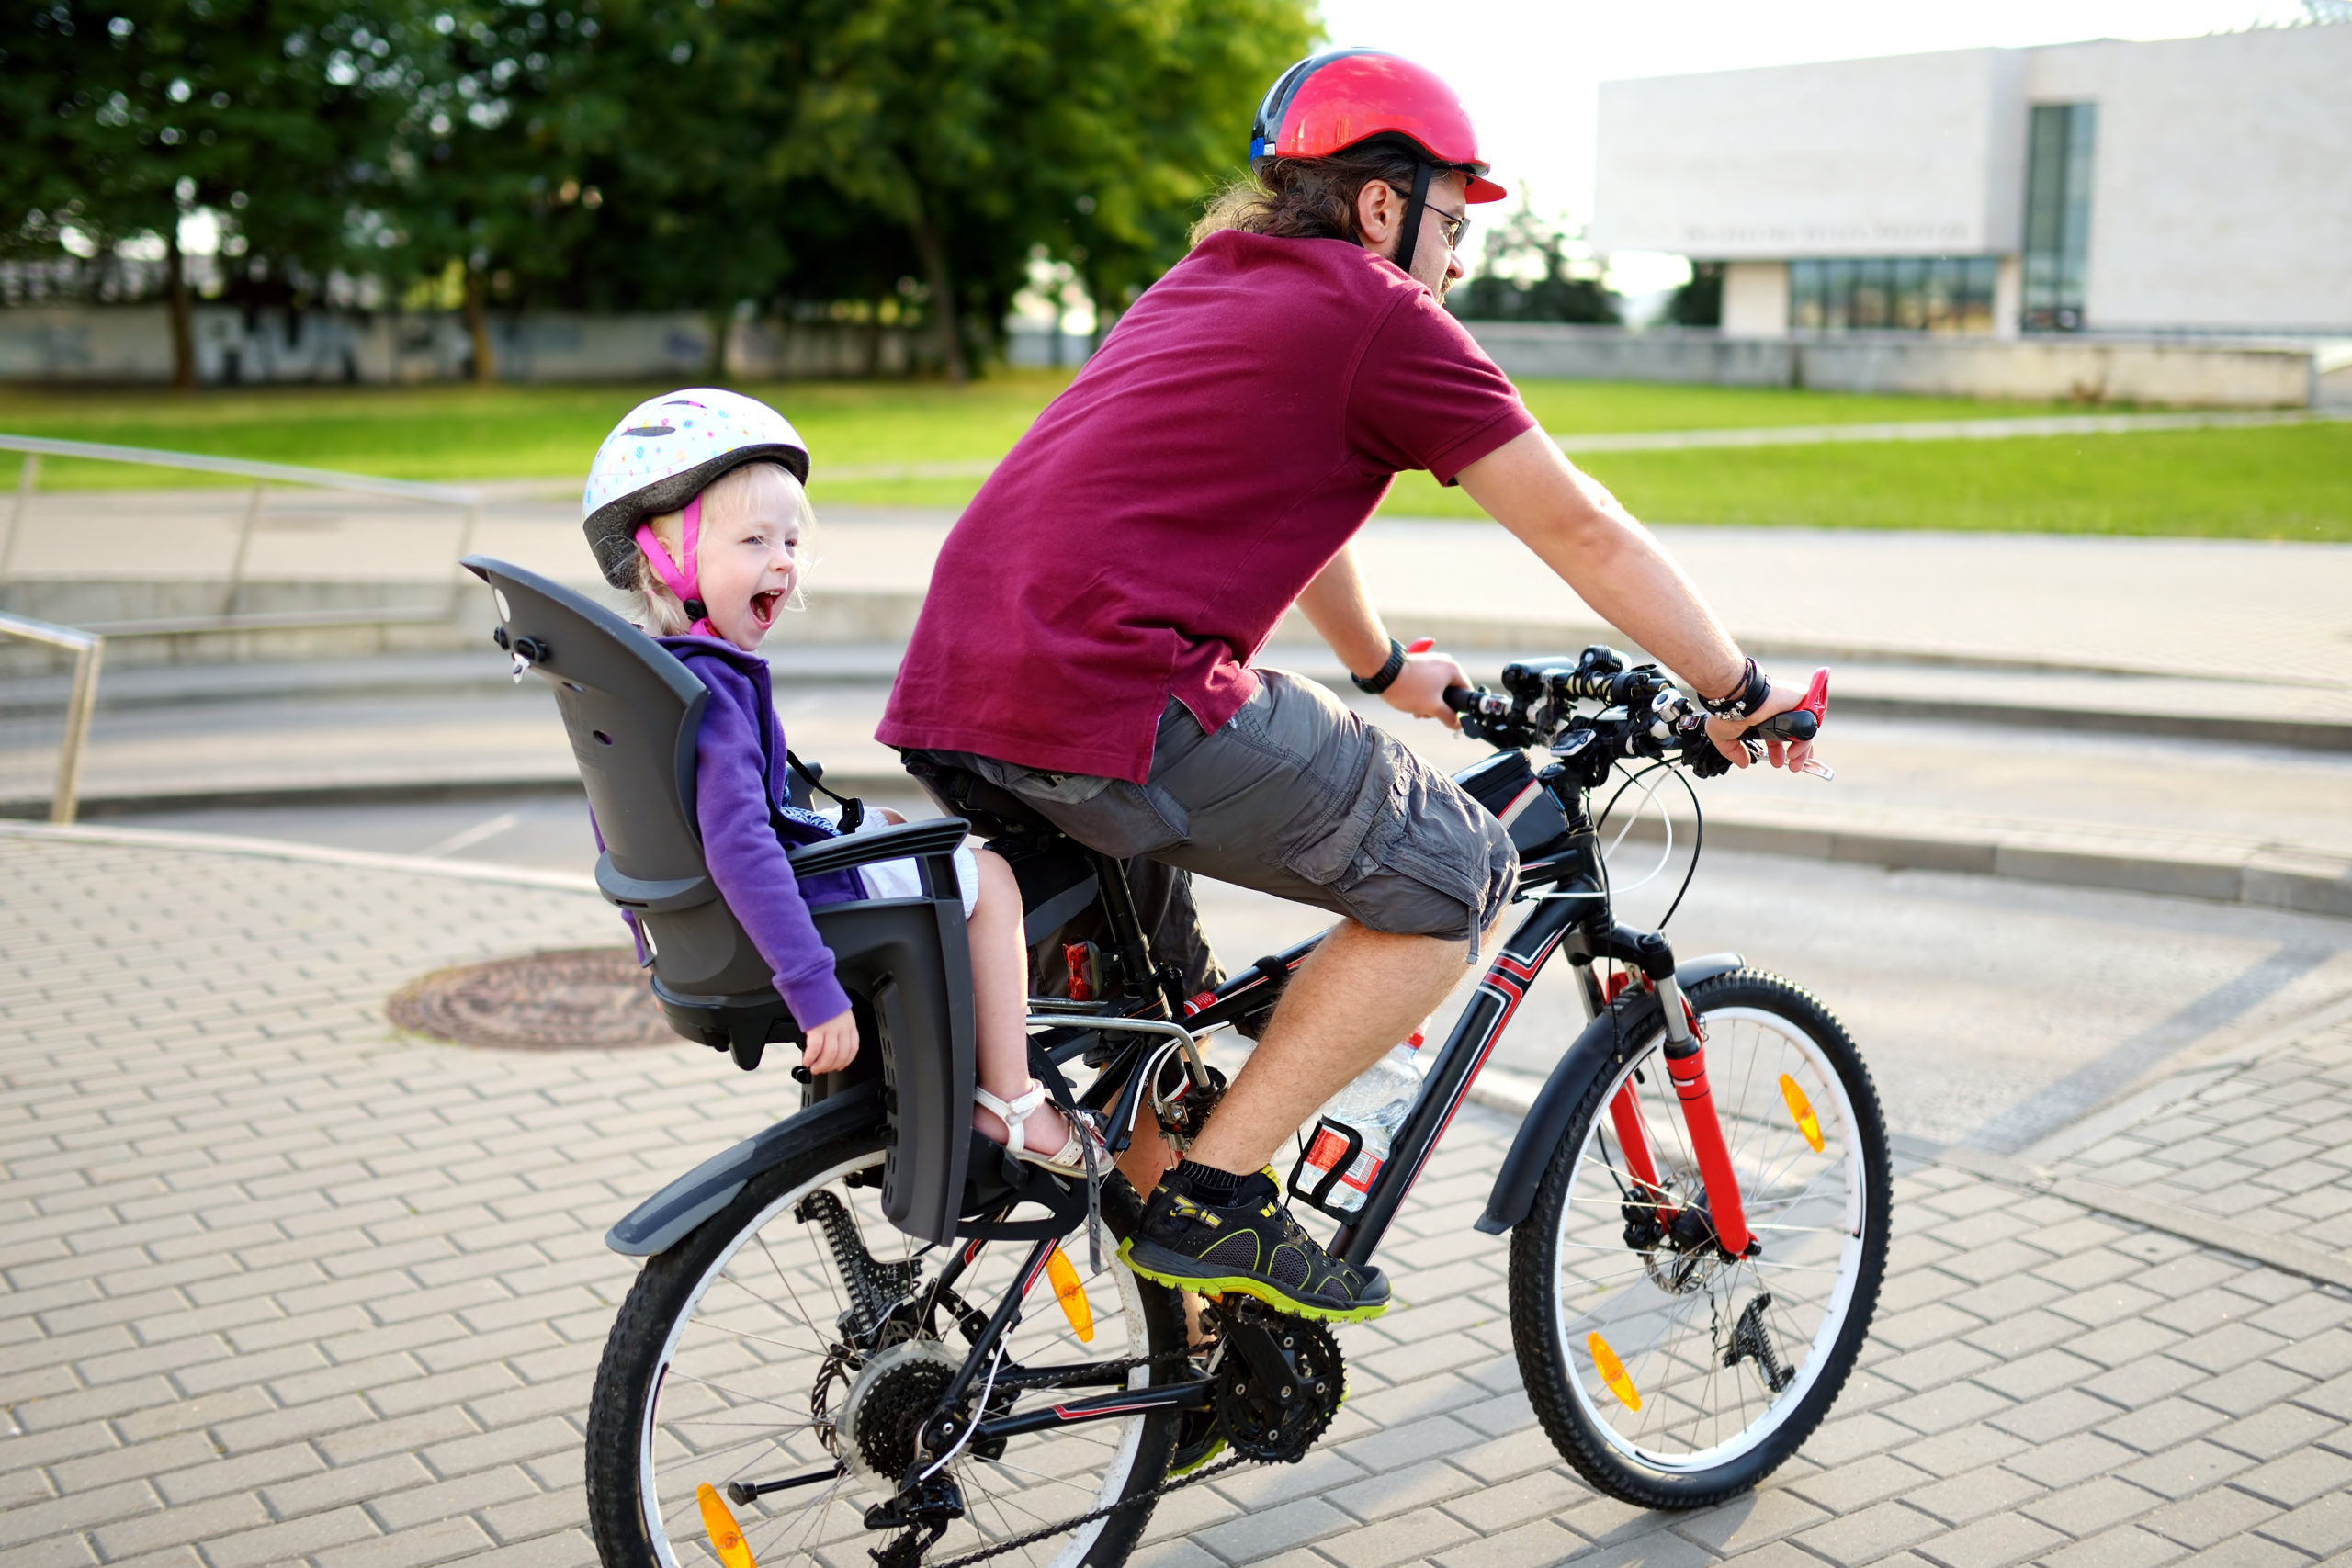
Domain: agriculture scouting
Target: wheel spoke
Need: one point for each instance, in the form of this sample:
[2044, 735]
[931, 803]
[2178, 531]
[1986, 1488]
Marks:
[734, 1401]
[1672, 1330]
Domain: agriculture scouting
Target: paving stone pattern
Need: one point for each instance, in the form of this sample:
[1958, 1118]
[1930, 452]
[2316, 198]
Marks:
[2264, 1147]
[285, 1288]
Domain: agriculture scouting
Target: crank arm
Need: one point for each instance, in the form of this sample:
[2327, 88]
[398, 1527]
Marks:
[1193, 1395]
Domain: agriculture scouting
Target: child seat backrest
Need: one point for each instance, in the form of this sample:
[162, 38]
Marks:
[633, 712]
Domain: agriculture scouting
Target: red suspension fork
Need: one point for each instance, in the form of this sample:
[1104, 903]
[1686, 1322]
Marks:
[1633, 1142]
[1686, 1064]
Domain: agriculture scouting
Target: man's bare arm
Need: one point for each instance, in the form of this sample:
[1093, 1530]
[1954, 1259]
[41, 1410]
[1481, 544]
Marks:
[1615, 565]
[1341, 612]
[1337, 605]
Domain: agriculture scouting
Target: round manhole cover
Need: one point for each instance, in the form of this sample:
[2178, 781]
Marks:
[592, 1000]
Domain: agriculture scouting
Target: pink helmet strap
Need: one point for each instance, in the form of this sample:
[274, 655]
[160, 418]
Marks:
[682, 581]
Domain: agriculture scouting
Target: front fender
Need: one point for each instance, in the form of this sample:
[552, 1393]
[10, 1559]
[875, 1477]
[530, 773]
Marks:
[662, 1220]
[1546, 1123]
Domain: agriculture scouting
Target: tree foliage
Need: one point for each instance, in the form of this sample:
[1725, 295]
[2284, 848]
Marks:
[907, 157]
[1700, 302]
[1532, 269]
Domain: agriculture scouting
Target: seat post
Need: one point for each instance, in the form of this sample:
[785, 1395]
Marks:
[1127, 934]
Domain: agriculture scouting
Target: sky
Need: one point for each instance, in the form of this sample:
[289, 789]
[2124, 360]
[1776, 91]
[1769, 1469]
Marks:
[1528, 69]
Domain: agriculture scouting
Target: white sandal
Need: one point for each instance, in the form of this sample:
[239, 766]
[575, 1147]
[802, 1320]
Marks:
[1068, 1160]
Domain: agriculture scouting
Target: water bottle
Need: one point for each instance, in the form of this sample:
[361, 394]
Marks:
[1374, 1106]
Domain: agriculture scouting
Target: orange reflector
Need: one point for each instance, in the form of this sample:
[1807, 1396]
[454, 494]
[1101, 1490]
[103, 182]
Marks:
[1802, 1109]
[1072, 1293]
[725, 1538]
[1613, 1371]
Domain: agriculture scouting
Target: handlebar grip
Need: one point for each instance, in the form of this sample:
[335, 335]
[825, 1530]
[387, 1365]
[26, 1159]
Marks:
[1803, 721]
[1461, 699]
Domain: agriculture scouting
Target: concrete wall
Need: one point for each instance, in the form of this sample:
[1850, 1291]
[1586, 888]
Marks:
[2087, 369]
[2223, 176]
[1851, 158]
[2221, 187]
[1756, 300]
[132, 342]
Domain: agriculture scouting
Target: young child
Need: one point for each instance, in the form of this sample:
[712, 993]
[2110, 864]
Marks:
[695, 502]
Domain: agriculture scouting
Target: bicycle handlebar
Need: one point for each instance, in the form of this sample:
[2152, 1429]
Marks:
[1538, 706]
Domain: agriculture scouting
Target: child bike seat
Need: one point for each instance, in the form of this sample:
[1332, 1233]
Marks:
[633, 712]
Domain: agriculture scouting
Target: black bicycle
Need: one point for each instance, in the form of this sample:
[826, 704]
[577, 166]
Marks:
[866, 1333]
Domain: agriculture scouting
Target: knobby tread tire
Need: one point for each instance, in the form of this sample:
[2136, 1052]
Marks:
[1534, 1276]
[625, 1374]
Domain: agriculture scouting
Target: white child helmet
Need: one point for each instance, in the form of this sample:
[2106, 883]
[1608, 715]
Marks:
[665, 452]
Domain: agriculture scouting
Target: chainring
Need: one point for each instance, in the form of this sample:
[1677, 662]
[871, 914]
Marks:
[1278, 1394]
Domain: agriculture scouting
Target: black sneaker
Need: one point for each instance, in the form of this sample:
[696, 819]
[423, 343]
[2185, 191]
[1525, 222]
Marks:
[1251, 1247]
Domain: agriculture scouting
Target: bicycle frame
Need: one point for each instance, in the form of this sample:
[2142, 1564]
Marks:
[1572, 914]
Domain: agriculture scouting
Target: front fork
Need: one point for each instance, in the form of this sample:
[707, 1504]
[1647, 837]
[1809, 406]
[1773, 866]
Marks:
[1686, 1065]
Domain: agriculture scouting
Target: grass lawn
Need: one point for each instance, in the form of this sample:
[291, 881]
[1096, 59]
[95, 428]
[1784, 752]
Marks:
[2293, 483]
[2284, 482]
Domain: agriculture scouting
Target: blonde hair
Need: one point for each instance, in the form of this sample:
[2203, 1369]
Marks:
[725, 500]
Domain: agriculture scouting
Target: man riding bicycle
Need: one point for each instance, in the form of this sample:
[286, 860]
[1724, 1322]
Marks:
[1089, 641]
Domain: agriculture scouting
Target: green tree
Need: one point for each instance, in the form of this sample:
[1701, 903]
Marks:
[1700, 302]
[984, 127]
[1532, 269]
[124, 115]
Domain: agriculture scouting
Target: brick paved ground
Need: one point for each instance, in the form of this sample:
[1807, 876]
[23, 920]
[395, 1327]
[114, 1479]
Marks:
[2264, 1146]
[285, 1288]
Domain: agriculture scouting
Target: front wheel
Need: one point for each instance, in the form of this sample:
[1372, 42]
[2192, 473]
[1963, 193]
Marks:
[766, 1378]
[1668, 1374]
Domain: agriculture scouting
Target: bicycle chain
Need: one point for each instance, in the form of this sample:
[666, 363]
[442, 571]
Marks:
[1048, 1531]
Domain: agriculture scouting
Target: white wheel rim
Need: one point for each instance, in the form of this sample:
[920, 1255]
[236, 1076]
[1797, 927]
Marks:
[774, 1546]
[1812, 1216]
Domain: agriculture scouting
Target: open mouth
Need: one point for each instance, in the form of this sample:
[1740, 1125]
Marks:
[763, 606]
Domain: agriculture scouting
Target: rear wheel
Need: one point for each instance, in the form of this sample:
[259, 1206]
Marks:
[747, 1354]
[1671, 1376]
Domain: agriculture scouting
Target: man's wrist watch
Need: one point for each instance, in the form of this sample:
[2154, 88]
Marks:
[1385, 676]
[1743, 700]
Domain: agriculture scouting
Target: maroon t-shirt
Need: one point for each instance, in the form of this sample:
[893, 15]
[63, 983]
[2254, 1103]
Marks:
[1145, 536]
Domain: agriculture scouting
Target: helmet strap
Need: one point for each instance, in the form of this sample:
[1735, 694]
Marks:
[1414, 208]
[682, 580]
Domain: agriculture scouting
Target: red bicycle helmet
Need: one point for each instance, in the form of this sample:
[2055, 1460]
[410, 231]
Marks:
[1329, 102]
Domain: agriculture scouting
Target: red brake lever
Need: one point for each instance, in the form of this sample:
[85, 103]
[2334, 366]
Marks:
[1420, 644]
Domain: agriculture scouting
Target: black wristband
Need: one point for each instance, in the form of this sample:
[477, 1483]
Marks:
[1385, 677]
[1743, 701]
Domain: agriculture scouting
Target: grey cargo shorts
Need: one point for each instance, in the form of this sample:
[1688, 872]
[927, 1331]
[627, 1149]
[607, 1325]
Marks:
[1297, 797]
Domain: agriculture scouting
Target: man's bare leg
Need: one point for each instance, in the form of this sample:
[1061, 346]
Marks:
[1358, 994]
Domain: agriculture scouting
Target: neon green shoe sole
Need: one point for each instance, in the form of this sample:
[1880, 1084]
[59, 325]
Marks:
[1163, 1267]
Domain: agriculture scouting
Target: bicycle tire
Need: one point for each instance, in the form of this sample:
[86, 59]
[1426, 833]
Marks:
[1554, 1253]
[633, 1510]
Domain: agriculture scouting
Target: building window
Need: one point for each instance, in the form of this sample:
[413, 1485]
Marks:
[1902, 293]
[2058, 215]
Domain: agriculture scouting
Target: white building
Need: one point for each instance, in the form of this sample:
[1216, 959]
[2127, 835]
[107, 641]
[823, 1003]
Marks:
[2198, 186]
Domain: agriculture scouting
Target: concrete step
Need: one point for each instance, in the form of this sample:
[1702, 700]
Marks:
[455, 658]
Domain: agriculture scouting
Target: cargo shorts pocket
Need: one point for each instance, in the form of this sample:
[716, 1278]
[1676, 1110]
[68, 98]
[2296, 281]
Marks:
[1433, 834]
[1111, 817]
[1326, 852]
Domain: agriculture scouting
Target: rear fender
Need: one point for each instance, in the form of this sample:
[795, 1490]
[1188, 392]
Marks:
[663, 1221]
[1546, 1123]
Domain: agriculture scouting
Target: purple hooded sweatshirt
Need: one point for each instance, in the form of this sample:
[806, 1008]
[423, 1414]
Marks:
[739, 774]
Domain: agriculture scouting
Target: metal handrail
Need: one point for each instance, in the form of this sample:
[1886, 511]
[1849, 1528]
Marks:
[282, 473]
[35, 448]
[88, 650]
